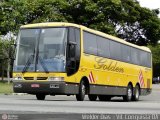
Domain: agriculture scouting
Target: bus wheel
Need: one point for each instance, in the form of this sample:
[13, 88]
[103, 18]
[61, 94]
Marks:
[40, 96]
[92, 97]
[129, 94]
[104, 98]
[136, 93]
[82, 91]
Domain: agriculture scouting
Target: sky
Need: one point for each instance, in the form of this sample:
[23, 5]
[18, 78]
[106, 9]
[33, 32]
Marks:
[152, 4]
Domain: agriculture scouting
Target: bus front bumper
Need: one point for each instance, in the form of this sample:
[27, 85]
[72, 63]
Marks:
[49, 87]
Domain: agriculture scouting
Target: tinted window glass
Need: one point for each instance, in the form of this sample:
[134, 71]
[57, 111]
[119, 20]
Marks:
[148, 60]
[90, 44]
[103, 47]
[77, 33]
[135, 56]
[115, 50]
[73, 54]
[72, 34]
[72, 38]
[143, 58]
[126, 53]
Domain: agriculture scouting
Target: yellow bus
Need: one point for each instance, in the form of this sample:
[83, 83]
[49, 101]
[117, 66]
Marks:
[68, 59]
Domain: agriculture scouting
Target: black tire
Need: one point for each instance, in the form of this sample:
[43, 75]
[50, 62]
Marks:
[104, 98]
[82, 91]
[136, 93]
[129, 94]
[40, 96]
[92, 97]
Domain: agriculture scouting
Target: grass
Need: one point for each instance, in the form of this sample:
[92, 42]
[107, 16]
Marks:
[6, 88]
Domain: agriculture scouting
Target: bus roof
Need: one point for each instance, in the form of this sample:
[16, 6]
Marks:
[53, 24]
[50, 24]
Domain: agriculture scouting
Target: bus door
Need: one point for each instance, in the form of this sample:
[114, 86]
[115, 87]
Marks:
[73, 53]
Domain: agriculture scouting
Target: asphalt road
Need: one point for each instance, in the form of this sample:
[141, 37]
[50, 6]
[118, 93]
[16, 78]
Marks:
[54, 106]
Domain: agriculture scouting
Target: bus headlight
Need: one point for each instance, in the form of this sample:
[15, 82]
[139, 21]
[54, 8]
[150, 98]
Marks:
[17, 78]
[55, 78]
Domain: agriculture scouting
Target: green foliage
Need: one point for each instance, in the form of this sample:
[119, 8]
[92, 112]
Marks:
[6, 49]
[155, 58]
[6, 53]
[18, 12]
[122, 18]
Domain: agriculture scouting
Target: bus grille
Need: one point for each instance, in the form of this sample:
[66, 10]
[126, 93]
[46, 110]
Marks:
[35, 78]
[42, 78]
[29, 78]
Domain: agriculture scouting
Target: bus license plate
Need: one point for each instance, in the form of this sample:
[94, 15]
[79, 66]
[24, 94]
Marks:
[35, 85]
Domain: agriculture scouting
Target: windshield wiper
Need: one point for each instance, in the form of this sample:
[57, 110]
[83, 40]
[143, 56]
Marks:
[28, 63]
[43, 65]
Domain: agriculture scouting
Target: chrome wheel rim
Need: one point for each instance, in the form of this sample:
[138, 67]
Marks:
[129, 93]
[137, 93]
[83, 89]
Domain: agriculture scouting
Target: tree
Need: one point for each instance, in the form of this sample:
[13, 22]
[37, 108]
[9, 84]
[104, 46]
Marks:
[18, 12]
[123, 18]
[1, 60]
[156, 61]
[89, 13]
[6, 55]
[136, 23]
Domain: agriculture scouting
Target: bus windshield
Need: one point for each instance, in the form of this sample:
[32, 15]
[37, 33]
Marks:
[41, 50]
